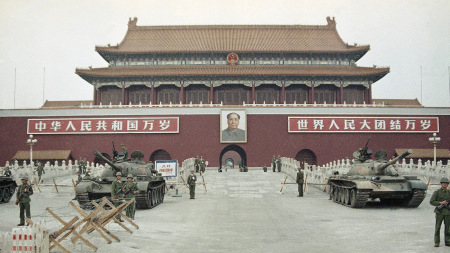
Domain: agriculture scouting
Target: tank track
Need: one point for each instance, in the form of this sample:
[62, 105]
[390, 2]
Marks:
[343, 195]
[6, 192]
[416, 199]
[152, 197]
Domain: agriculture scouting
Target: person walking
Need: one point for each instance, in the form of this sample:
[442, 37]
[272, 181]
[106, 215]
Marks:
[441, 199]
[191, 182]
[24, 191]
[130, 190]
[299, 181]
[40, 171]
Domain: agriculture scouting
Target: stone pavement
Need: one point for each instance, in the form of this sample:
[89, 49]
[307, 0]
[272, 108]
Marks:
[245, 212]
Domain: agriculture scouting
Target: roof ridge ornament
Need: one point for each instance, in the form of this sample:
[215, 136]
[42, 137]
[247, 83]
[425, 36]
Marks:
[132, 23]
[331, 22]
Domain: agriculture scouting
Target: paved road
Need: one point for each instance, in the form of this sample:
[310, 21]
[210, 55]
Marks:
[245, 212]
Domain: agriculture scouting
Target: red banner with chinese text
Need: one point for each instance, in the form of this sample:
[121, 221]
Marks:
[103, 125]
[363, 124]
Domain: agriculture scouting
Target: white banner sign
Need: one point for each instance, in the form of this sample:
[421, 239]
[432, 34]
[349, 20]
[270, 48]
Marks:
[167, 168]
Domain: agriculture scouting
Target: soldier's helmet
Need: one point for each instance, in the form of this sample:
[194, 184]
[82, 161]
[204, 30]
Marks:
[119, 174]
[444, 180]
[26, 178]
[130, 176]
[122, 145]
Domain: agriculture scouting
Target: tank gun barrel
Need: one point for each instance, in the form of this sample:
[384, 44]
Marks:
[384, 166]
[106, 160]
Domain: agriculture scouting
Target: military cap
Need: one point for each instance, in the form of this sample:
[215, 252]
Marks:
[444, 180]
[26, 178]
[119, 174]
[129, 175]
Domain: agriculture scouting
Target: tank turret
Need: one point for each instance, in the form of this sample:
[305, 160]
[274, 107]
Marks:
[376, 180]
[150, 183]
[381, 169]
[107, 161]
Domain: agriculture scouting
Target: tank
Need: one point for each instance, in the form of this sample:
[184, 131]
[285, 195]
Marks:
[150, 183]
[7, 188]
[370, 179]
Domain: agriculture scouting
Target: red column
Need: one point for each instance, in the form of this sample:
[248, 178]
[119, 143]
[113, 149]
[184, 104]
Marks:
[341, 94]
[182, 94]
[123, 94]
[211, 93]
[152, 94]
[283, 95]
[253, 93]
[311, 101]
[370, 94]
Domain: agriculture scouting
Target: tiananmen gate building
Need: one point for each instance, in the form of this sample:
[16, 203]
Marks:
[245, 92]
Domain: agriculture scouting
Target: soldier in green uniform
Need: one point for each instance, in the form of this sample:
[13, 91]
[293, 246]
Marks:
[7, 172]
[441, 199]
[279, 163]
[191, 182]
[274, 163]
[299, 181]
[196, 164]
[80, 169]
[116, 191]
[23, 200]
[79, 177]
[130, 190]
[40, 171]
[125, 152]
[84, 166]
[202, 165]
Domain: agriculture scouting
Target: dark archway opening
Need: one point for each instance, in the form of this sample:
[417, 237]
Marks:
[159, 154]
[239, 150]
[306, 156]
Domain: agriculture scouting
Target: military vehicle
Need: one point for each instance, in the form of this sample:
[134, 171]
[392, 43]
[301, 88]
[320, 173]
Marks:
[368, 179]
[7, 188]
[150, 183]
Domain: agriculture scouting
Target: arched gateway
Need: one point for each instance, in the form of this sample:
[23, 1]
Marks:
[238, 150]
[306, 156]
[160, 154]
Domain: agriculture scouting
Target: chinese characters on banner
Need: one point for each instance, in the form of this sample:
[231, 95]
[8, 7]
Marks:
[103, 125]
[167, 168]
[363, 124]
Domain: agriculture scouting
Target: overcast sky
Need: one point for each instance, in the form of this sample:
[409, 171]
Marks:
[61, 35]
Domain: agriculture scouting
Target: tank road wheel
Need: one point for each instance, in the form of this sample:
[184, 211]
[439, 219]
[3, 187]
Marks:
[336, 194]
[346, 196]
[6, 195]
[1, 195]
[160, 194]
[154, 197]
[352, 198]
[149, 198]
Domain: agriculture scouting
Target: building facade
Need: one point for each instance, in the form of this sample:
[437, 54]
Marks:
[244, 93]
[232, 65]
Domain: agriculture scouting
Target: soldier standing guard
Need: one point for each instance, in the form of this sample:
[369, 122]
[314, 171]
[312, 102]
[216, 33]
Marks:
[202, 165]
[23, 200]
[116, 189]
[7, 172]
[191, 182]
[441, 199]
[274, 163]
[130, 189]
[196, 164]
[40, 171]
[299, 181]
[279, 164]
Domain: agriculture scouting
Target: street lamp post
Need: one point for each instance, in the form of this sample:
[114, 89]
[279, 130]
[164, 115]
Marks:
[30, 142]
[435, 140]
